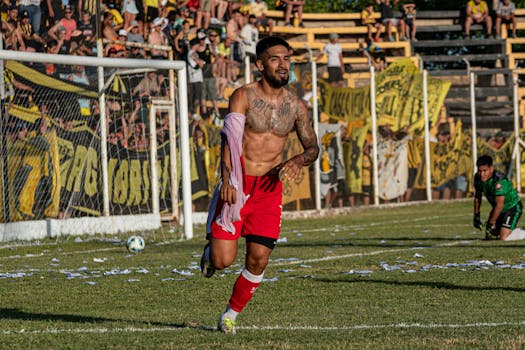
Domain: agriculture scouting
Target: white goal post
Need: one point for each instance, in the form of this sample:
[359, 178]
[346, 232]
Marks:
[180, 68]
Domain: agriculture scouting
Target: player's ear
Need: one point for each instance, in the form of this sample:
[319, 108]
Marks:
[259, 65]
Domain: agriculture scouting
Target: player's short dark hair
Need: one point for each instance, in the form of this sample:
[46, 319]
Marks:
[270, 41]
[484, 160]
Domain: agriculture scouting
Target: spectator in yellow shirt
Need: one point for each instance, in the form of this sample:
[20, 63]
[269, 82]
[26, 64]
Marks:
[478, 13]
[368, 19]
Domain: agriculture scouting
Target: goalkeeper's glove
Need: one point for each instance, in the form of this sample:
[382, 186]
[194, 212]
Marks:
[490, 232]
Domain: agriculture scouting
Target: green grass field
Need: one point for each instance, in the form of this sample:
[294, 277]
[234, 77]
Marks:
[412, 277]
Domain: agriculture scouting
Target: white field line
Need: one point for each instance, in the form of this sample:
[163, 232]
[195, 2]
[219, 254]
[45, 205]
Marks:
[353, 255]
[105, 330]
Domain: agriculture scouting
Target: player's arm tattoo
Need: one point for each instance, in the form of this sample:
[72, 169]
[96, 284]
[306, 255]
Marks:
[306, 135]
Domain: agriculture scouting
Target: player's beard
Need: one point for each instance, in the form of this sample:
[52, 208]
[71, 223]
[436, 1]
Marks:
[276, 81]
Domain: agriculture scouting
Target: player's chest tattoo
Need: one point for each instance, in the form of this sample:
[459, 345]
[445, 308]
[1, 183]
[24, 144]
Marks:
[266, 117]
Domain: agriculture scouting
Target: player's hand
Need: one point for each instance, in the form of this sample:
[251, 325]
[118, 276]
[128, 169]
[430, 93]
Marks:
[476, 222]
[490, 231]
[291, 169]
[228, 193]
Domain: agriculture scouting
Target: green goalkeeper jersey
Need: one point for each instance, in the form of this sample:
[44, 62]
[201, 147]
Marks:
[498, 185]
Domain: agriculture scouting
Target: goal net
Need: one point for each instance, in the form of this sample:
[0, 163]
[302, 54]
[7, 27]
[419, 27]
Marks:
[55, 162]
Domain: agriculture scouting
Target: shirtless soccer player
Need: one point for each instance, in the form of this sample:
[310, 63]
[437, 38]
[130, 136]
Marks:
[248, 198]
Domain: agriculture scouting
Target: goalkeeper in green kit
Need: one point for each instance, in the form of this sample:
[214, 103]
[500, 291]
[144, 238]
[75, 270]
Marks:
[505, 202]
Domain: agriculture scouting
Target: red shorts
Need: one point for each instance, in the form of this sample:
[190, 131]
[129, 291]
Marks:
[261, 214]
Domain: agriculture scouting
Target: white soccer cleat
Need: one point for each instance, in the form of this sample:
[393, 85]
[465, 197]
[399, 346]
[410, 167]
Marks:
[226, 325]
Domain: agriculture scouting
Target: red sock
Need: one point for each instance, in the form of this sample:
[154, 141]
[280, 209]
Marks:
[243, 290]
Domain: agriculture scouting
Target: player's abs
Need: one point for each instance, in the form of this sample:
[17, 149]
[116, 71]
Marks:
[261, 152]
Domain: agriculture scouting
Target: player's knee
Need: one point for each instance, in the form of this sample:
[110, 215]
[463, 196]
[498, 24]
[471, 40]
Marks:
[222, 261]
[257, 265]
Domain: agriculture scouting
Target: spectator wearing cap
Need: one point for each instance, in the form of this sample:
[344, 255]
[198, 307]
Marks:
[120, 47]
[67, 22]
[35, 13]
[336, 66]
[133, 32]
[33, 42]
[157, 37]
[130, 11]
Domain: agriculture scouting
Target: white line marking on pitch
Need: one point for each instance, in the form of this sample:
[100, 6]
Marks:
[267, 328]
[353, 255]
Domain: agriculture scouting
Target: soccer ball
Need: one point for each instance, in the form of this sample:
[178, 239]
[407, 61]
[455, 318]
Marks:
[135, 244]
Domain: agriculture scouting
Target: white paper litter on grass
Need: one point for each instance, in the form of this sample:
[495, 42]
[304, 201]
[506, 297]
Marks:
[78, 240]
[285, 259]
[131, 280]
[282, 240]
[55, 260]
[117, 272]
[273, 279]
[143, 270]
[417, 255]
[14, 275]
[363, 273]
[100, 260]
[182, 272]
[91, 283]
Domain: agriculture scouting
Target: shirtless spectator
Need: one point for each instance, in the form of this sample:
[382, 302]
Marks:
[478, 13]
[108, 32]
[233, 32]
